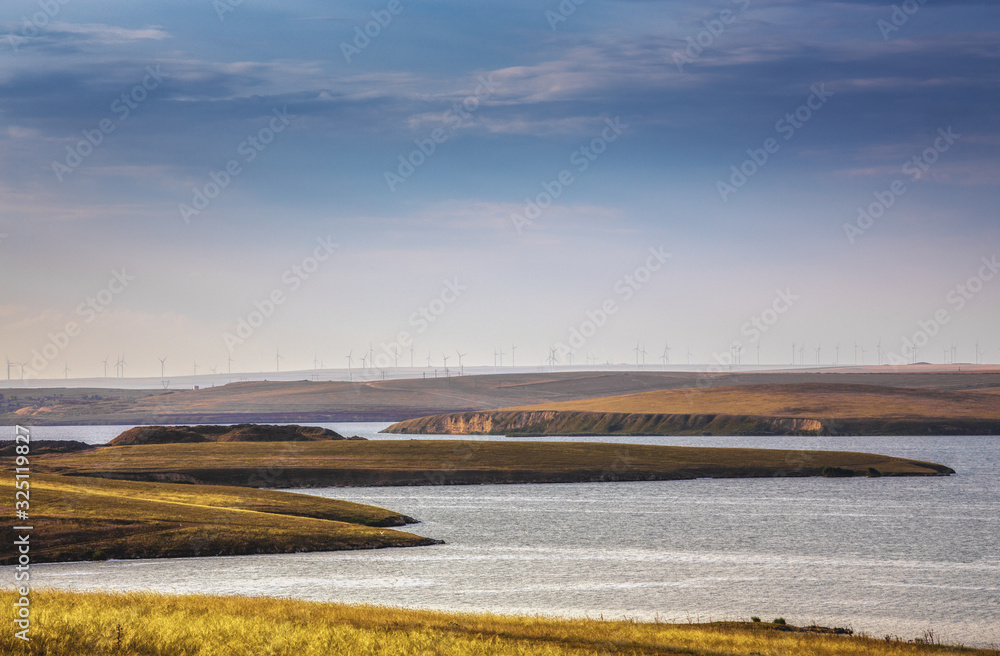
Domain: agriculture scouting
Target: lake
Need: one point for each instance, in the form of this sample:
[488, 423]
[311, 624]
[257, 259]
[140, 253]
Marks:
[885, 555]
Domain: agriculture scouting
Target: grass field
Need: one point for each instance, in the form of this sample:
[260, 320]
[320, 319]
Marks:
[803, 401]
[427, 462]
[79, 624]
[92, 518]
[812, 408]
[395, 400]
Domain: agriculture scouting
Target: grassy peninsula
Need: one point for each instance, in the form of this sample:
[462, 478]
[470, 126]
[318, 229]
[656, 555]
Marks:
[436, 462]
[95, 518]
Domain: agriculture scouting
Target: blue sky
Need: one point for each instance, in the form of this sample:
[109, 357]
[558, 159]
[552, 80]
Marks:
[533, 97]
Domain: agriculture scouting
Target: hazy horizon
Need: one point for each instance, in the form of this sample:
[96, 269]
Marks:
[205, 180]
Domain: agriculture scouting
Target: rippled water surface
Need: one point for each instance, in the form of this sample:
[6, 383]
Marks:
[886, 555]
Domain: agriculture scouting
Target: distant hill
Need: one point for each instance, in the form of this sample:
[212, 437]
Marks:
[238, 433]
[810, 408]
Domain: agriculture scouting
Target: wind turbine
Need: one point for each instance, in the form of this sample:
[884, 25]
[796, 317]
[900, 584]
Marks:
[214, 370]
[412, 349]
[163, 364]
[350, 365]
[277, 359]
[637, 350]
[23, 365]
[836, 357]
[512, 349]
[105, 361]
[66, 371]
[9, 363]
[818, 351]
[229, 361]
[501, 354]
[665, 358]
[121, 365]
[863, 351]
[552, 360]
[793, 353]
[445, 358]
[856, 347]
[395, 357]
[364, 362]
[878, 347]
[195, 367]
[689, 355]
[371, 355]
[315, 361]
[461, 370]
[979, 354]
[428, 359]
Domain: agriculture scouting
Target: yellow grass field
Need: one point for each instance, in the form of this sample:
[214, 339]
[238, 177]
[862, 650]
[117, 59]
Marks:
[800, 400]
[146, 624]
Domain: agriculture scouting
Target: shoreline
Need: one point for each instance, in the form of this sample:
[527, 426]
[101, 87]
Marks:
[98, 622]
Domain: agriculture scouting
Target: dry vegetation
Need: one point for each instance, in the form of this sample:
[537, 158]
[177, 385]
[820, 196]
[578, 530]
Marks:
[803, 401]
[427, 462]
[75, 624]
[93, 518]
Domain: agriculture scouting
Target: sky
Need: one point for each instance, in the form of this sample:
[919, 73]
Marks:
[215, 182]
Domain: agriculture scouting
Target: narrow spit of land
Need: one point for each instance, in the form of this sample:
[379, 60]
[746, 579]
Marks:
[435, 462]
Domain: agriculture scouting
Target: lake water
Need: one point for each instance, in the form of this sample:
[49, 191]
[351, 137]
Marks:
[886, 556]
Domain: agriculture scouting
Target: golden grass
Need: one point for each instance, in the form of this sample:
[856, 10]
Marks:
[813, 400]
[88, 518]
[82, 624]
